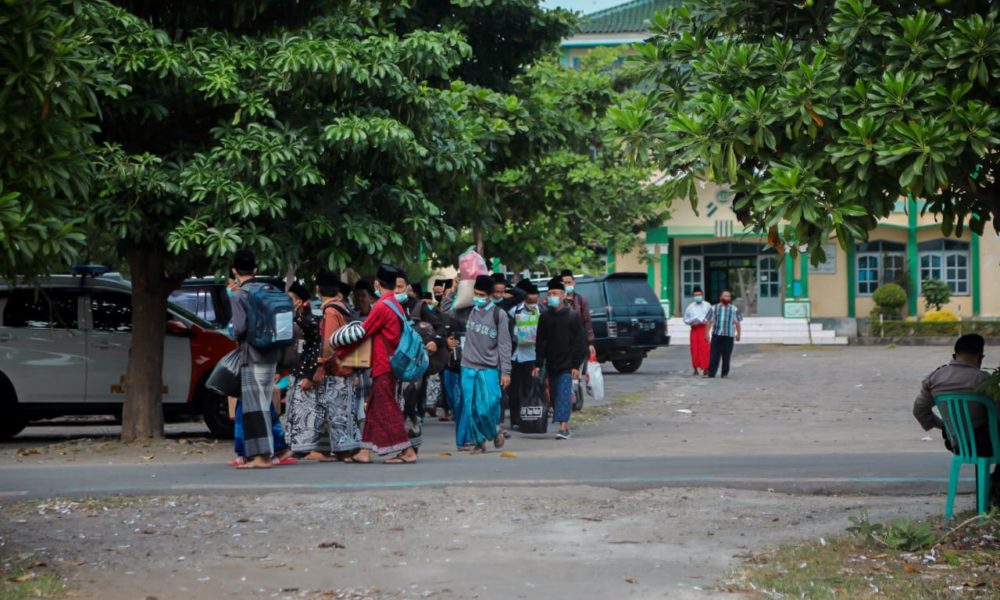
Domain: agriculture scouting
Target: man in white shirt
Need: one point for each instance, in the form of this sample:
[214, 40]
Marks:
[696, 316]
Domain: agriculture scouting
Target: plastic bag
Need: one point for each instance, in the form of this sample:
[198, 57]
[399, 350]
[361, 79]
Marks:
[225, 377]
[595, 380]
[464, 294]
[535, 409]
[471, 265]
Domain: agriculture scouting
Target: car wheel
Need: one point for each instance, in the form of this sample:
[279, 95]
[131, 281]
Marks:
[215, 413]
[578, 393]
[13, 422]
[630, 365]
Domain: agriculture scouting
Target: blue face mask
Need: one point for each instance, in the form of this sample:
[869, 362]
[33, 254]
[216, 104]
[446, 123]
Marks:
[497, 300]
[378, 294]
[229, 291]
[699, 299]
[570, 289]
[401, 297]
[554, 302]
[480, 302]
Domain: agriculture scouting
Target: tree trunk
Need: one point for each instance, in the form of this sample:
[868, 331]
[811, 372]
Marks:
[142, 415]
[480, 245]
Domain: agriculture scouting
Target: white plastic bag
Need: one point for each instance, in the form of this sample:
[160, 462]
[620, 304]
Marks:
[595, 380]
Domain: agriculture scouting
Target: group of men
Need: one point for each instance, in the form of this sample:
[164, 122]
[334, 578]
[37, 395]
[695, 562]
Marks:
[482, 360]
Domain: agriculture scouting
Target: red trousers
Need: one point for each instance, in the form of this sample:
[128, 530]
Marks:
[699, 348]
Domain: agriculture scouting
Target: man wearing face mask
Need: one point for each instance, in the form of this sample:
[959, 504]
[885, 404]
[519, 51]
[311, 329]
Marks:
[580, 306]
[724, 328]
[486, 354]
[385, 430]
[695, 316]
[525, 317]
[560, 347]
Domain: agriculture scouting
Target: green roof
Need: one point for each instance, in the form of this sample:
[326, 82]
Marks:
[630, 17]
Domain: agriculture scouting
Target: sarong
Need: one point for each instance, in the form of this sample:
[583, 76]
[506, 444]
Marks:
[413, 408]
[699, 348]
[481, 403]
[342, 402]
[257, 386]
[561, 391]
[453, 393]
[433, 397]
[277, 431]
[308, 421]
[384, 431]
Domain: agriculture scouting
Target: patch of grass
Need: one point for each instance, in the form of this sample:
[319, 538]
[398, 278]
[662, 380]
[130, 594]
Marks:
[88, 504]
[904, 559]
[24, 584]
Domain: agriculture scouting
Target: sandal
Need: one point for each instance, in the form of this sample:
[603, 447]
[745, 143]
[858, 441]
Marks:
[399, 460]
[239, 460]
[499, 441]
[281, 462]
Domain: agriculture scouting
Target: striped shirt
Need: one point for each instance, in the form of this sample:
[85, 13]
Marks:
[724, 319]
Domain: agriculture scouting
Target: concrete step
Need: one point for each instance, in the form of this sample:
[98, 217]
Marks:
[767, 330]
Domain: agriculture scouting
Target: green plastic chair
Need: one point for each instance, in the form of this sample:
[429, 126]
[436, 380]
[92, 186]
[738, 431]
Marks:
[954, 409]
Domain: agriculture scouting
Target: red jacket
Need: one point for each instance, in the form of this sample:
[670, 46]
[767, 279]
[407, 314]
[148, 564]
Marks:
[385, 328]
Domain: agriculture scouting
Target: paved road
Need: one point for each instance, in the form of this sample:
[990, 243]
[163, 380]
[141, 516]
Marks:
[847, 473]
[822, 474]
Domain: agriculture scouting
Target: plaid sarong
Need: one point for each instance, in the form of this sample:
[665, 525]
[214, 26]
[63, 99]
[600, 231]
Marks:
[257, 386]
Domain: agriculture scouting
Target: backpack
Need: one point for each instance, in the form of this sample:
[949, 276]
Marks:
[270, 318]
[409, 361]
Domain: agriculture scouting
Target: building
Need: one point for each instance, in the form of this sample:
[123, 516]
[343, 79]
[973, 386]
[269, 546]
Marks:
[711, 249]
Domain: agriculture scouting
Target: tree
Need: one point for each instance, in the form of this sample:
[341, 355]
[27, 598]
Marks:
[321, 134]
[936, 293]
[820, 114]
[552, 194]
[51, 68]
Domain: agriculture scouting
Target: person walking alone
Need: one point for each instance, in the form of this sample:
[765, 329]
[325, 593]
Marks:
[724, 327]
[696, 316]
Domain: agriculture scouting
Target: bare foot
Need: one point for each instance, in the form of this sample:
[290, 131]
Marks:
[258, 462]
[318, 457]
[363, 456]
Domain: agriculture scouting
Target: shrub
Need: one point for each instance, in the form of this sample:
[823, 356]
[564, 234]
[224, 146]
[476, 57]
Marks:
[889, 300]
[896, 329]
[936, 294]
[939, 316]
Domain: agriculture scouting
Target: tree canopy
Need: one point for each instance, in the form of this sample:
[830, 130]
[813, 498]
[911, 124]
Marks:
[821, 114]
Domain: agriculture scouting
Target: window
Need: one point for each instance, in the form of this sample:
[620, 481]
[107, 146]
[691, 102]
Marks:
[41, 309]
[692, 273]
[196, 300]
[591, 290]
[630, 292]
[111, 311]
[947, 261]
[878, 263]
[768, 277]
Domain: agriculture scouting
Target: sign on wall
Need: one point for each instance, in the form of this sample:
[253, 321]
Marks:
[829, 266]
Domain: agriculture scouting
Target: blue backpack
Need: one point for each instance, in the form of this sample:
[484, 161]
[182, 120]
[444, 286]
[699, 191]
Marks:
[409, 362]
[270, 318]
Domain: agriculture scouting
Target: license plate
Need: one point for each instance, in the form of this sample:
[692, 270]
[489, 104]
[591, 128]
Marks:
[647, 326]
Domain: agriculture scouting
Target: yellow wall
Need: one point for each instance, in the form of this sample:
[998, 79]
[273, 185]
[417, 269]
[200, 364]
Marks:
[989, 272]
[828, 292]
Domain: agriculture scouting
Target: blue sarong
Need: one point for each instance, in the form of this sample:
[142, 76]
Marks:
[453, 392]
[481, 399]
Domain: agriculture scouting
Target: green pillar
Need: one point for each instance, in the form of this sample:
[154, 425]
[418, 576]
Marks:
[496, 264]
[667, 274]
[974, 250]
[852, 277]
[911, 254]
[804, 273]
[611, 259]
[651, 274]
[789, 276]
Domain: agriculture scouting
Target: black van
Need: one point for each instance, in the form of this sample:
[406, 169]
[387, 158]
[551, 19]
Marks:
[628, 318]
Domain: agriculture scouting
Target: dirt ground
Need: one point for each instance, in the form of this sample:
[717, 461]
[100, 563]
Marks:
[516, 542]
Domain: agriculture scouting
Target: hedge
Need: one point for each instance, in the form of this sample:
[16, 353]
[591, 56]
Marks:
[930, 329]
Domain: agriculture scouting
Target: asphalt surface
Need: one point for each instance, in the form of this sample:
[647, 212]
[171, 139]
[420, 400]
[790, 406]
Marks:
[883, 473]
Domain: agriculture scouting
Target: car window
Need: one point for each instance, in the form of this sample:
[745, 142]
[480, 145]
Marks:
[630, 292]
[591, 290]
[111, 311]
[198, 301]
[41, 309]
